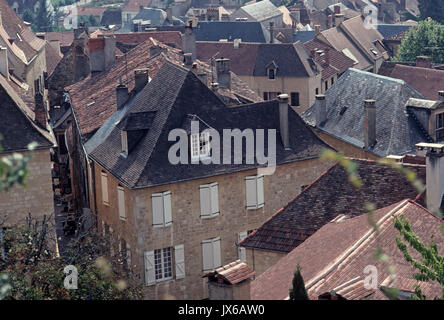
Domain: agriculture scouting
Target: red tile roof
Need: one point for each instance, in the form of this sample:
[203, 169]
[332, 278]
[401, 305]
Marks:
[332, 259]
[172, 38]
[52, 58]
[66, 38]
[427, 81]
[231, 273]
[134, 5]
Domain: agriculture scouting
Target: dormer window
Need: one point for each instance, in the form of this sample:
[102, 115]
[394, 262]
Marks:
[271, 74]
[200, 145]
[439, 129]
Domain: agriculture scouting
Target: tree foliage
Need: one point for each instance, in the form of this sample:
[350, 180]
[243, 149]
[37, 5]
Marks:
[43, 20]
[432, 8]
[425, 40]
[298, 292]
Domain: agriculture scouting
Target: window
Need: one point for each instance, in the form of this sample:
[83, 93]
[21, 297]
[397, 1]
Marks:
[200, 145]
[104, 178]
[241, 251]
[162, 209]
[332, 81]
[124, 140]
[317, 91]
[209, 200]
[121, 202]
[163, 264]
[211, 254]
[295, 98]
[255, 191]
[326, 85]
[439, 127]
[265, 96]
[271, 74]
[159, 264]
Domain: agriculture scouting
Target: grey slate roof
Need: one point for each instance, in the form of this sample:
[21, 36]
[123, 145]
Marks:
[248, 31]
[157, 16]
[262, 10]
[303, 36]
[173, 95]
[389, 30]
[396, 130]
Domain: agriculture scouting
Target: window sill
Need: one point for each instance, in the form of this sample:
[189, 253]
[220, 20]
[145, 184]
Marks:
[256, 207]
[161, 281]
[210, 216]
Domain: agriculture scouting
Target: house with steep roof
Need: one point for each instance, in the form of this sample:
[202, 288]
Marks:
[336, 265]
[181, 220]
[393, 35]
[246, 31]
[365, 114]
[263, 11]
[131, 8]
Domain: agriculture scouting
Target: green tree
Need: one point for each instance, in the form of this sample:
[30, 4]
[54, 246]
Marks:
[43, 19]
[426, 40]
[298, 292]
[28, 16]
[432, 8]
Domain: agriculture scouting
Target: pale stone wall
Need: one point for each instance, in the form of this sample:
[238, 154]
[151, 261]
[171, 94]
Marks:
[36, 197]
[261, 260]
[189, 229]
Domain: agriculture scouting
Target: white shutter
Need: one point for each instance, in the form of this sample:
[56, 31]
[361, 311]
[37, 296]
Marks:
[179, 258]
[251, 192]
[207, 255]
[216, 253]
[242, 253]
[168, 219]
[260, 191]
[157, 199]
[104, 177]
[150, 274]
[121, 201]
[205, 204]
[128, 255]
[214, 198]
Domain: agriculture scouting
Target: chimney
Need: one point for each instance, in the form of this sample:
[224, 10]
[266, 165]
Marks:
[271, 32]
[434, 173]
[321, 110]
[283, 120]
[189, 40]
[102, 53]
[337, 9]
[223, 74]
[293, 27]
[41, 35]
[339, 18]
[214, 86]
[327, 55]
[236, 43]
[140, 78]
[441, 95]
[188, 59]
[330, 21]
[296, 16]
[40, 110]
[317, 29]
[4, 63]
[56, 45]
[122, 95]
[110, 52]
[423, 62]
[369, 123]
[169, 12]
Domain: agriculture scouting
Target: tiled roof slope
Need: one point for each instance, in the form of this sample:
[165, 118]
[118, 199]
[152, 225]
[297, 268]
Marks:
[231, 273]
[337, 62]
[172, 38]
[332, 259]
[391, 30]
[262, 10]
[329, 196]
[52, 58]
[427, 81]
[174, 94]
[100, 89]
[396, 132]
[134, 5]
[248, 31]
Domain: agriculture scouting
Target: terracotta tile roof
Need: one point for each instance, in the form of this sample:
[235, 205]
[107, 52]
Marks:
[231, 273]
[172, 38]
[52, 58]
[329, 196]
[427, 81]
[336, 63]
[332, 259]
[66, 38]
[134, 5]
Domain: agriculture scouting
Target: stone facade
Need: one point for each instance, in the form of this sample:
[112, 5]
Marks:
[188, 228]
[36, 198]
[261, 260]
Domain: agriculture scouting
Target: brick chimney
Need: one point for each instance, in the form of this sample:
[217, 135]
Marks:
[102, 53]
[424, 62]
[434, 173]
[223, 74]
[4, 63]
[40, 110]
[441, 95]
[169, 12]
[283, 120]
[337, 9]
[188, 59]
[189, 40]
[330, 21]
[369, 122]
[122, 95]
[320, 110]
[140, 78]
[317, 29]
[339, 18]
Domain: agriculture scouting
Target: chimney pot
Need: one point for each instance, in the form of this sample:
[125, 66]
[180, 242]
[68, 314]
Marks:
[441, 95]
[140, 78]
[214, 86]
[122, 95]
[283, 120]
[369, 122]
[317, 29]
[188, 59]
[223, 73]
[321, 110]
[337, 9]
[339, 18]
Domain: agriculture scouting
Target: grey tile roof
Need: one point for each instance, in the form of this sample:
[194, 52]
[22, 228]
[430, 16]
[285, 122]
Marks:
[389, 30]
[396, 131]
[262, 10]
[174, 94]
[303, 36]
[248, 31]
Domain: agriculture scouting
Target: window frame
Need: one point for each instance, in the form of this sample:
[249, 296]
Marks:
[439, 127]
[271, 71]
[296, 98]
[165, 265]
[203, 149]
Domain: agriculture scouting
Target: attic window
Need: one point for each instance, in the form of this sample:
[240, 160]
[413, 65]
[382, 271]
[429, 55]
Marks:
[374, 51]
[200, 145]
[271, 73]
[343, 110]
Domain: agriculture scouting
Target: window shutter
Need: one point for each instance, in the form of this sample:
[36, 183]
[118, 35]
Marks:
[242, 253]
[260, 191]
[251, 192]
[104, 187]
[205, 136]
[157, 200]
[128, 255]
[205, 205]
[216, 253]
[207, 255]
[121, 201]
[150, 275]
[103, 228]
[168, 219]
[179, 258]
[214, 198]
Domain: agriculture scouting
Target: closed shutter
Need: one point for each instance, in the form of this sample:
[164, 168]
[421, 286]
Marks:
[242, 254]
[207, 255]
[168, 218]
[157, 199]
[251, 192]
[214, 198]
[150, 274]
[205, 200]
[216, 253]
[104, 188]
[121, 201]
[260, 191]
[179, 258]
